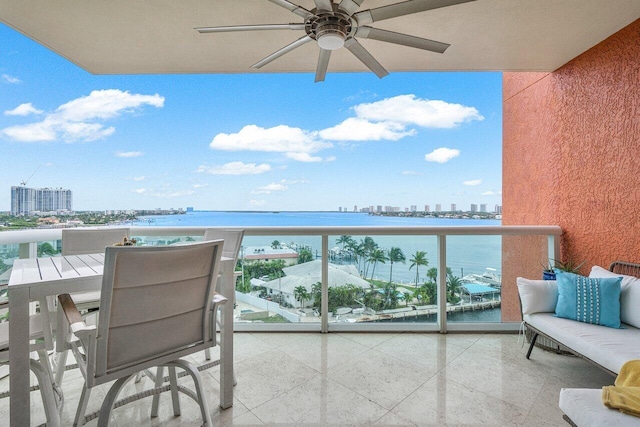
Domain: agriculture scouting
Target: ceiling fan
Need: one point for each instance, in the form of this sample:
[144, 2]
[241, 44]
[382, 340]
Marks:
[335, 25]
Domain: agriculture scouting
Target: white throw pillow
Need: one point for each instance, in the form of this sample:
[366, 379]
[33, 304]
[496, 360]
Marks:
[537, 296]
[629, 295]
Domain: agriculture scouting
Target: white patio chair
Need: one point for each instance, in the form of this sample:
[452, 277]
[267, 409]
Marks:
[232, 241]
[157, 305]
[41, 341]
[81, 241]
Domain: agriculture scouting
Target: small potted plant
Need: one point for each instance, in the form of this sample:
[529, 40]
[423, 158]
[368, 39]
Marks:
[549, 271]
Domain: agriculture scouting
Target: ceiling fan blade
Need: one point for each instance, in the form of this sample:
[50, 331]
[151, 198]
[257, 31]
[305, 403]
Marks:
[324, 5]
[402, 39]
[277, 54]
[323, 63]
[291, 7]
[226, 29]
[403, 8]
[350, 6]
[365, 57]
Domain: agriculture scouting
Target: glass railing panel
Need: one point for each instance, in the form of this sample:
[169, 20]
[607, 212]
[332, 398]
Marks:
[474, 278]
[377, 278]
[279, 279]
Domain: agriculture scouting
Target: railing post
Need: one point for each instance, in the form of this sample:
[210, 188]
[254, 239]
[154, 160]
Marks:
[553, 250]
[324, 303]
[442, 283]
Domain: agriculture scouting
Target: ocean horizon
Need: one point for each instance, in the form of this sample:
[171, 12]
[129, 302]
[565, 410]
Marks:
[465, 254]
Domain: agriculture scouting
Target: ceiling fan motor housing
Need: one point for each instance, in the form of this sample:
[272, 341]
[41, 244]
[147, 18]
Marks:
[329, 29]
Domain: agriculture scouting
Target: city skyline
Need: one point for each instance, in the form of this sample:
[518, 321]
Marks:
[247, 142]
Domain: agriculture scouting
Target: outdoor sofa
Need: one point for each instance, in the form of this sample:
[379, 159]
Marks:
[606, 347]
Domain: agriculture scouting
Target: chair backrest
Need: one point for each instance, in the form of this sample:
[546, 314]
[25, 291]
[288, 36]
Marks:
[79, 241]
[232, 240]
[155, 305]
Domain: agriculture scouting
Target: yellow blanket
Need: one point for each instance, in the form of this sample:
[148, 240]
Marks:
[625, 395]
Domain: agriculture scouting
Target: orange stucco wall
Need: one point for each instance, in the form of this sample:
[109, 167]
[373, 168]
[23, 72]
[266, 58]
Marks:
[571, 157]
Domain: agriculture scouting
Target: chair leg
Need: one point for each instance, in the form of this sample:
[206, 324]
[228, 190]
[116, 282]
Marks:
[82, 405]
[197, 382]
[207, 354]
[110, 399]
[533, 342]
[156, 397]
[46, 390]
[175, 398]
[61, 362]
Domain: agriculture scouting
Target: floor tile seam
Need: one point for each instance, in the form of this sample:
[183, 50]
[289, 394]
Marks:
[373, 401]
[473, 389]
[250, 409]
[391, 335]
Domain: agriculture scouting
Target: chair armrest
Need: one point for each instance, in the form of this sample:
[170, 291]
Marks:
[217, 301]
[74, 318]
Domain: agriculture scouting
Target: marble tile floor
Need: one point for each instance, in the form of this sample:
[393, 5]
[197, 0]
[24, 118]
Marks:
[365, 379]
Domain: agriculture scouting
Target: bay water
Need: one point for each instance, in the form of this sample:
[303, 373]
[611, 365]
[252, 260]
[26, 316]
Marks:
[465, 254]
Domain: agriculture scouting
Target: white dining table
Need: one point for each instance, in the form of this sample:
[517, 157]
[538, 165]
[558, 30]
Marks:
[33, 278]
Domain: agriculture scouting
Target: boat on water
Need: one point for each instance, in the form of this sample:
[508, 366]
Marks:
[488, 278]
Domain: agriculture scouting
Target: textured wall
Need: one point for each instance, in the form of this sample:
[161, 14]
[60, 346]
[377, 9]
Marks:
[571, 156]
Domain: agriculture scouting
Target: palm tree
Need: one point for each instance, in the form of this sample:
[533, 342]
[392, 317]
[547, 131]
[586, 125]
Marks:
[344, 240]
[375, 257]
[46, 249]
[300, 293]
[275, 244]
[395, 255]
[454, 287]
[419, 258]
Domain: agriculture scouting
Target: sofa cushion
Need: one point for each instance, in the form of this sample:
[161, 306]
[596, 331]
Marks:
[537, 296]
[629, 295]
[589, 300]
[584, 407]
[608, 347]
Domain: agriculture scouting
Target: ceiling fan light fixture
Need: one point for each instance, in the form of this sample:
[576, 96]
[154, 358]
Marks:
[331, 41]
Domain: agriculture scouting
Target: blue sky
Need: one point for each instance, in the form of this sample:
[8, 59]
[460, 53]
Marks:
[247, 142]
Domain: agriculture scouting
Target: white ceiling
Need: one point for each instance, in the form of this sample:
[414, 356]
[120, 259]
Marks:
[158, 36]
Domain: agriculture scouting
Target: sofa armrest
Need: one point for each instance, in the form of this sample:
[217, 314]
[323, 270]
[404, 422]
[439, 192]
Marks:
[537, 296]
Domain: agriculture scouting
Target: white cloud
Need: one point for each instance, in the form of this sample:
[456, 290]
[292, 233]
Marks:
[442, 155]
[6, 78]
[23, 110]
[138, 178]
[492, 193]
[196, 186]
[411, 173]
[173, 194]
[421, 112]
[81, 119]
[257, 203]
[473, 182]
[129, 154]
[139, 190]
[304, 157]
[268, 189]
[281, 139]
[359, 129]
[235, 168]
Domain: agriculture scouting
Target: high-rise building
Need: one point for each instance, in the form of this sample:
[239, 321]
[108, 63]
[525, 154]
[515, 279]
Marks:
[498, 209]
[483, 207]
[414, 208]
[474, 208]
[453, 207]
[26, 201]
[438, 207]
[427, 208]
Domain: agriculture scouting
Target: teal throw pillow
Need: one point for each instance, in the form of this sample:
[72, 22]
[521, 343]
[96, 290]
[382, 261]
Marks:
[589, 300]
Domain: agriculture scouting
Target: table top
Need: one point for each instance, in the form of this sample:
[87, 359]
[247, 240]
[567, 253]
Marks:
[41, 270]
